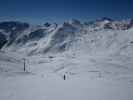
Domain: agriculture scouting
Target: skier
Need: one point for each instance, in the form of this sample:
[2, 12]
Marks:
[64, 77]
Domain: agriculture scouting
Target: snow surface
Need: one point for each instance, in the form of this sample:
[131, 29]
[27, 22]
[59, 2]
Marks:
[87, 77]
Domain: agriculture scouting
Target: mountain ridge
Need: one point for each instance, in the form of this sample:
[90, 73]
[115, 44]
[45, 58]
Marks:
[101, 35]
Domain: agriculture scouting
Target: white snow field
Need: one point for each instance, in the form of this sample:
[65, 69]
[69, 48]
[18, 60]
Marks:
[87, 78]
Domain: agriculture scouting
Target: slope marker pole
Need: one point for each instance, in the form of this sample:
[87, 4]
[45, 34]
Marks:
[24, 65]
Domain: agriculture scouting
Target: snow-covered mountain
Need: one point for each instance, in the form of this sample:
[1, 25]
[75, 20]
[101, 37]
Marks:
[95, 37]
[93, 56]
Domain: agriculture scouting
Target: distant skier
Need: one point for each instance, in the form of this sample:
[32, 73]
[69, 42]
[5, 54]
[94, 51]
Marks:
[64, 77]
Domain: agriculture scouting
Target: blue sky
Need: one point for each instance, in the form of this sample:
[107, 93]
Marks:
[40, 11]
